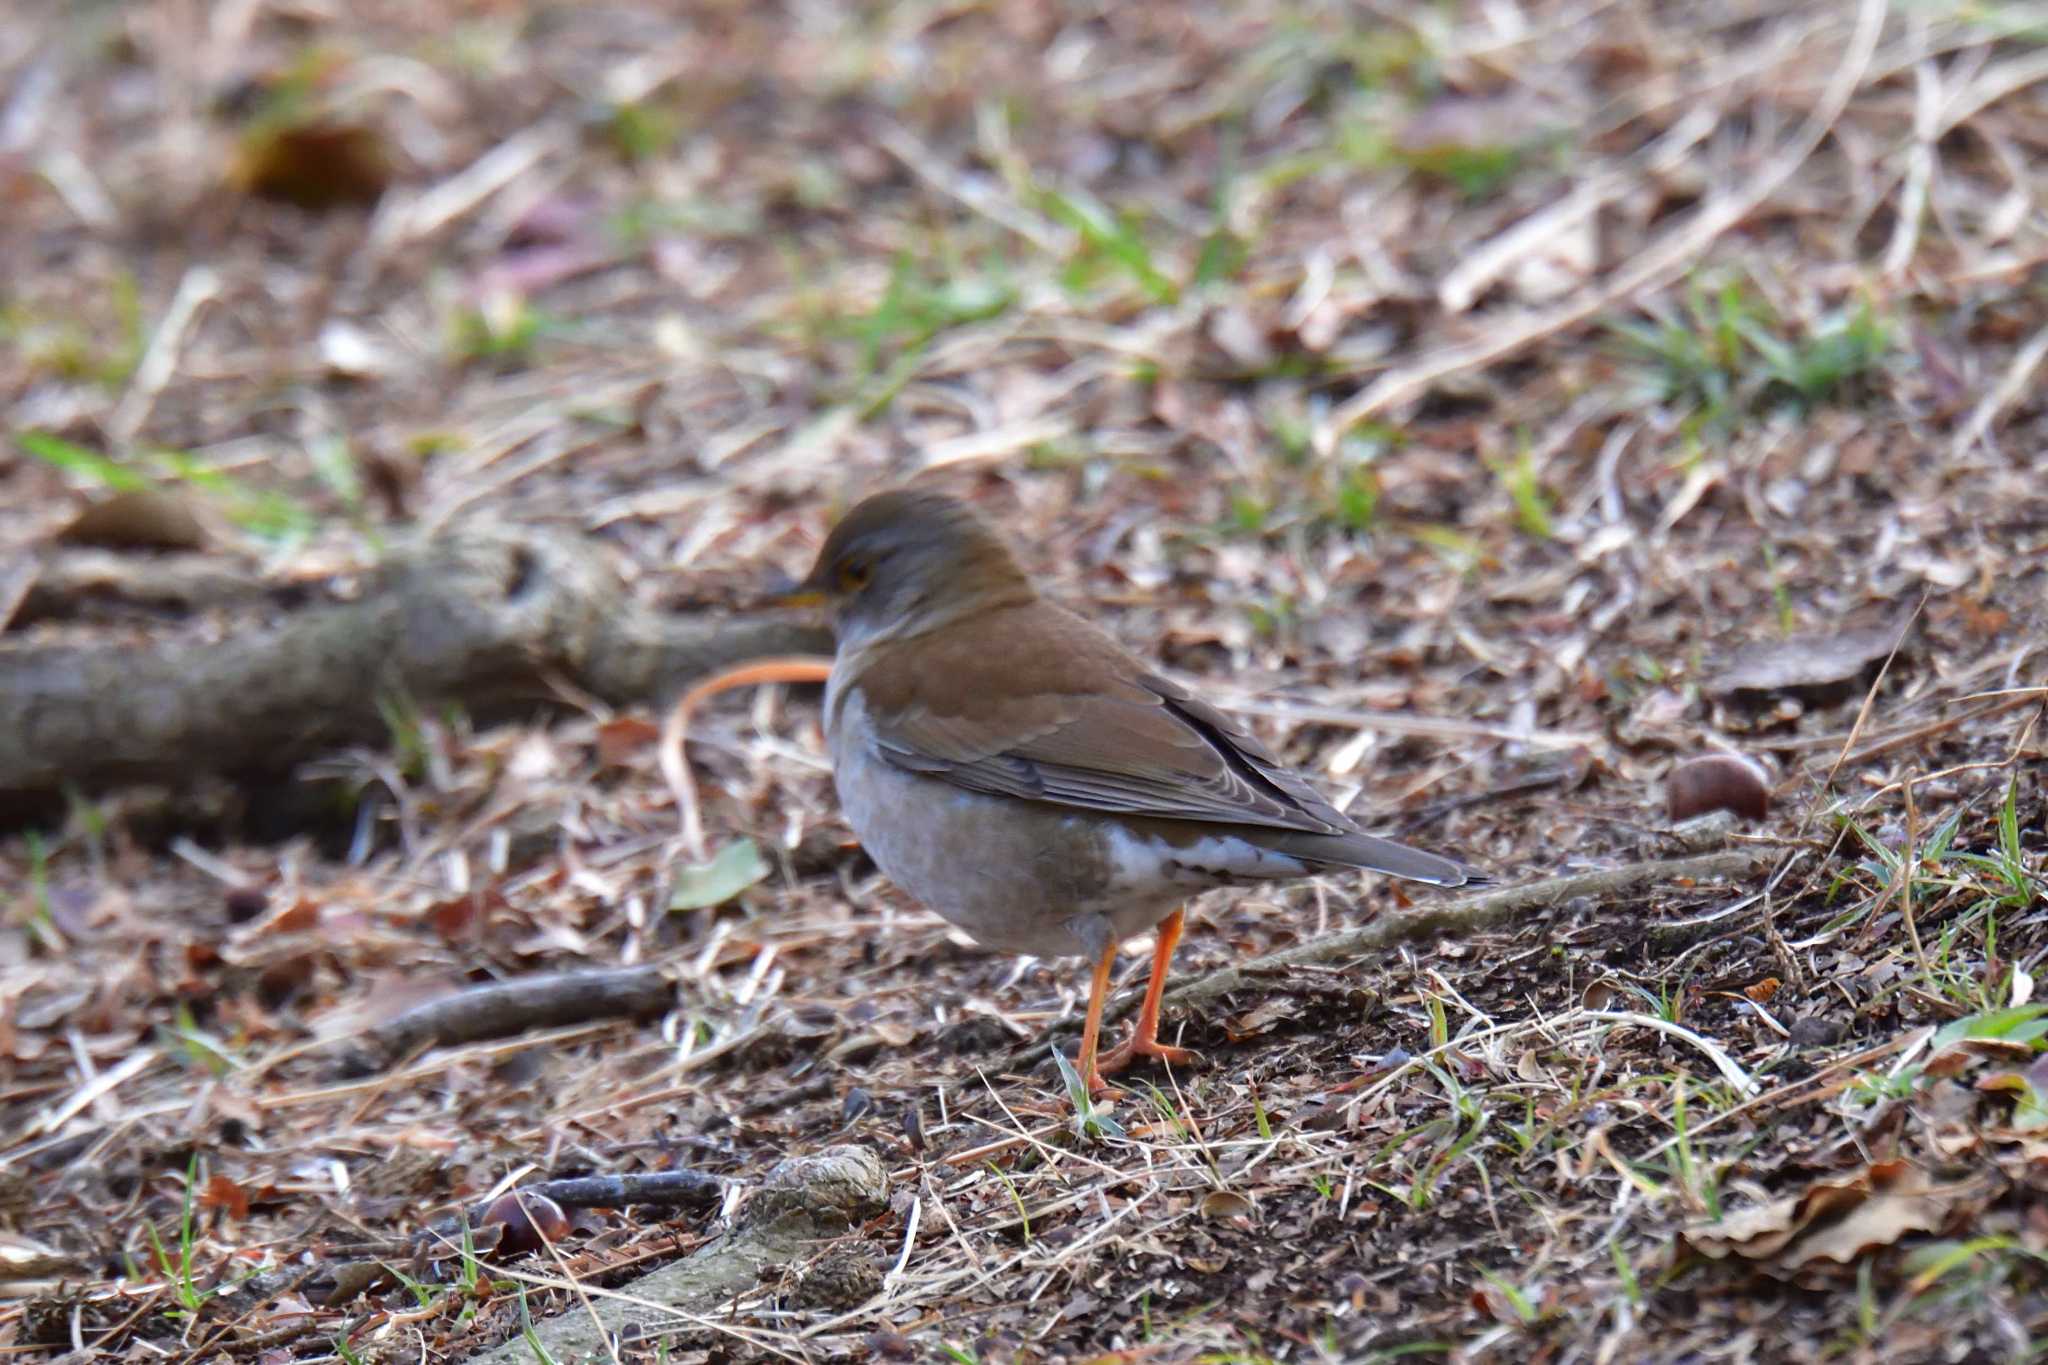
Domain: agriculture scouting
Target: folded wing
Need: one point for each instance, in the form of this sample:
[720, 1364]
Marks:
[1084, 724]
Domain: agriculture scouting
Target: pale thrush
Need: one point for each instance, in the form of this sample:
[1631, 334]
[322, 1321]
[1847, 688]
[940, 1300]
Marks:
[1024, 775]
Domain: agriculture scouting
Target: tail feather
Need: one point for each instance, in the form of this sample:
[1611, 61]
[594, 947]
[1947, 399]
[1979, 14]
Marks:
[1375, 855]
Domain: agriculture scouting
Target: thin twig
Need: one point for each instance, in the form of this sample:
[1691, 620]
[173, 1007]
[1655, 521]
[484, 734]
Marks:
[198, 287]
[2017, 380]
[781, 669]
[1907, 864]
[508, 1007]
[1486, 910]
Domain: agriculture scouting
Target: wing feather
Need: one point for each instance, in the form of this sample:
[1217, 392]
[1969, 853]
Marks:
[1079, 723]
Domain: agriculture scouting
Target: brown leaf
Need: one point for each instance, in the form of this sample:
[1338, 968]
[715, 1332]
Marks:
[1225, 1204]
[1656, 716]
[281, 982]
[1263, 1017]
[460, 916]
[1983, 620]
[301, 916]
[223, 1193]
[1910, 1205]
[346, 1281]
[1833, 1220]
[1815, 668]
[136, 519]
[1950, 1061]
[314, 165]
[620, 738]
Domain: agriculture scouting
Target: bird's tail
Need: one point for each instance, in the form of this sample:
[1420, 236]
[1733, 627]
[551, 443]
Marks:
[1376, 855]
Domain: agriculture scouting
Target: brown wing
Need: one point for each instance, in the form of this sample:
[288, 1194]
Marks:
[1076, 720]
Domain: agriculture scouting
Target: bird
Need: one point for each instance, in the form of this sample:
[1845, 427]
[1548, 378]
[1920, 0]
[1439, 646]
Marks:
[1017, 770]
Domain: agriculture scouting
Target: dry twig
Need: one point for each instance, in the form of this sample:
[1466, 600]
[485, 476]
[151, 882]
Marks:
[507, 1007]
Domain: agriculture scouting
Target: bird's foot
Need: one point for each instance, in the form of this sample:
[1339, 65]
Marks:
[1143, 1045]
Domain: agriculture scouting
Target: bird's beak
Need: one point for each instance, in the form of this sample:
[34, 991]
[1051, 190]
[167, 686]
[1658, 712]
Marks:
[783, 591]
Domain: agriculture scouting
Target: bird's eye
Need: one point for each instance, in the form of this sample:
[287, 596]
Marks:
[854, 576]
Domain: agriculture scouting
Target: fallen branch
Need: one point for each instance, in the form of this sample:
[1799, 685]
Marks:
[358, 1267]
[97, 585]
[1486, 910]
[485, 616]
[659, 1189]
[504, 1008]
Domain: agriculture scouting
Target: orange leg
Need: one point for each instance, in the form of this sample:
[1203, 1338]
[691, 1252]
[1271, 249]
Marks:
[1091, 1031]
[1144, 1039]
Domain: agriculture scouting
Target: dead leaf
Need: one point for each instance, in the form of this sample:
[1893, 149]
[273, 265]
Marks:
[346, 1281]
[461, 916]
[622, 737]
[1657, 716]
[2030, 1104]
[1814, 668]
[299, 917]
[1984, 620]
[1225, 1204]
[223, 1193]
[1263, 1017]
[1833, 1220]
[315, 166]
[1910, 1205]
[137, 519]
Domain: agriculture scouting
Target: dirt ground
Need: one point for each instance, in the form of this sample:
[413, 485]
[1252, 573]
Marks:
[1498, 404]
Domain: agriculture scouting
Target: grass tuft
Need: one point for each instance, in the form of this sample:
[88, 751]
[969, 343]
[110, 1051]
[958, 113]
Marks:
[1723, 355]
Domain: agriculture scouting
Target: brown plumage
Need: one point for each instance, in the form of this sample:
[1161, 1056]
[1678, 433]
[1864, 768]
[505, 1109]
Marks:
[960, 698]
[1080, 722]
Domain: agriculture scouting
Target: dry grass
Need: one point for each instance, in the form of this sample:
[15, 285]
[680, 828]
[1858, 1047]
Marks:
[1456, 388]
